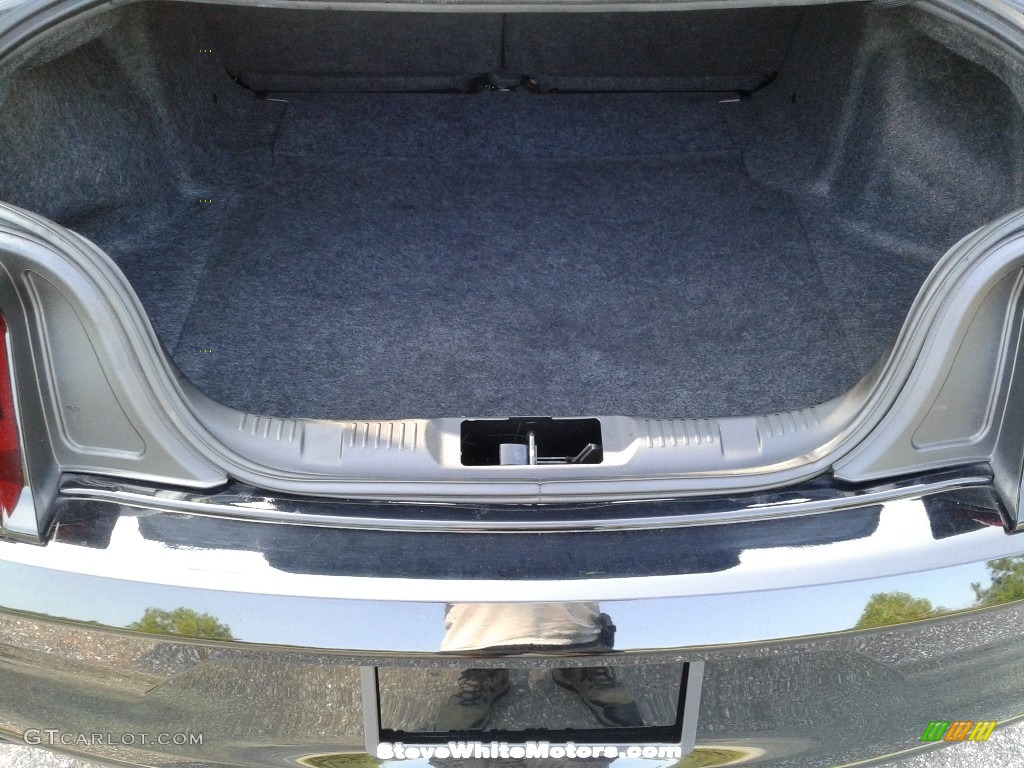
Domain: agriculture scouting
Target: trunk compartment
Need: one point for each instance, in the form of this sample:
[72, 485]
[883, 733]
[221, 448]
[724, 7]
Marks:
[401, 215]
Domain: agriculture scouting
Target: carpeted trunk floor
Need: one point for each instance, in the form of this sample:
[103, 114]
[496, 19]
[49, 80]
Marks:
[426, 255]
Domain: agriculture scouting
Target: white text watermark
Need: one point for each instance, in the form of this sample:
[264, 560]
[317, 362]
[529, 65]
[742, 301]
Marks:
[540, 750]
[53, 737]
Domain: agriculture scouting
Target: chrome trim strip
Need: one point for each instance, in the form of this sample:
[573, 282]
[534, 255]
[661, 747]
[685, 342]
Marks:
[371, 708]
[691, 703]
[367, 592]
[254, 505]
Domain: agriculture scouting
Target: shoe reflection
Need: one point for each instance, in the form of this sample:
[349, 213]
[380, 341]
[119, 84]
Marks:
[469, 708]
[605, 696]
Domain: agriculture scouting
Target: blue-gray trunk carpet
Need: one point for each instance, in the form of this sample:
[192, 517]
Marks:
[509, 254]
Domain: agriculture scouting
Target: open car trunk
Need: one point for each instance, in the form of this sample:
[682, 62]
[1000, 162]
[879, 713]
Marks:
[399, 215]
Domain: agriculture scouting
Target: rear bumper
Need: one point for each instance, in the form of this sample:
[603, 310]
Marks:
[771, 604]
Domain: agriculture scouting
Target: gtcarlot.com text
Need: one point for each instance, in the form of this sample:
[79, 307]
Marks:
[53, 737]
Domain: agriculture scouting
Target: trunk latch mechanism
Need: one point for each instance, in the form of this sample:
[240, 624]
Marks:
[531, 441]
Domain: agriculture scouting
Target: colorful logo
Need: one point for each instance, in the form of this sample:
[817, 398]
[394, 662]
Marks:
[958, 730]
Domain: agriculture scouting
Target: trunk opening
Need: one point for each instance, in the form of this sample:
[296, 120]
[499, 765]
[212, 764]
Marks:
[395, 215]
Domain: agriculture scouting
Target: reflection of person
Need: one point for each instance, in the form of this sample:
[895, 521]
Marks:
[518, 628]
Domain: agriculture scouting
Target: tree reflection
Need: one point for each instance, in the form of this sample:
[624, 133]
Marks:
[1007, 575]
[885, 608]
[350, 760]
[1006, 585]
[181, 622]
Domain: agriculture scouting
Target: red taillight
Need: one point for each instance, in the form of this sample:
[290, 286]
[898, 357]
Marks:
[11, 475]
